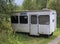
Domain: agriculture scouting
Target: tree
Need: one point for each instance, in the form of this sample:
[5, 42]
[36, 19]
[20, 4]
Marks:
[27, 4]
[54, 4]
[34, 4]
[41, 4]
[6, 7]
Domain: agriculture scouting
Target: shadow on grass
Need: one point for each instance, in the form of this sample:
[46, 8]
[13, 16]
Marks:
[33, 36]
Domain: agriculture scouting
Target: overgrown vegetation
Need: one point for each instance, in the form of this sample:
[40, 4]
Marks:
[5, 25]
[6, 32]
[34, 4]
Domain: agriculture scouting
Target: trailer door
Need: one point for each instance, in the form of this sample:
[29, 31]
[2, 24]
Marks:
[33, 25]
[44, 24]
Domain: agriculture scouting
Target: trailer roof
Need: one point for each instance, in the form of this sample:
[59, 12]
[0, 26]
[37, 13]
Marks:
[33, 11]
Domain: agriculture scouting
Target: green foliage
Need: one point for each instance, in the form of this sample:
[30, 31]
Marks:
[6, 8]
[54, 4]
[27, 4]
[18, 8]
[34, 4]
[41, 4]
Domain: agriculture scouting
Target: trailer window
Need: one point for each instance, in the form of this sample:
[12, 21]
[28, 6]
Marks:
[14, 19]
[33, 19]
[44, 19]
[23, 19]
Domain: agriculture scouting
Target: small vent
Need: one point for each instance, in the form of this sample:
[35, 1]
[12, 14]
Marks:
[53, 13]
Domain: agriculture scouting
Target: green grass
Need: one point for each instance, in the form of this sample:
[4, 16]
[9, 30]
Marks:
[26, 39]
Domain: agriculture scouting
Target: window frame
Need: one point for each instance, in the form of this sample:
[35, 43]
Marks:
[45, 21]
[14, 22]
[35, 19]
[21, 22]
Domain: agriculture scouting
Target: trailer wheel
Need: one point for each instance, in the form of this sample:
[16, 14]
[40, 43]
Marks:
[51, 34]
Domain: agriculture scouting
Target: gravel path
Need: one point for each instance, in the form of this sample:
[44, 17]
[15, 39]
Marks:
[55, 41]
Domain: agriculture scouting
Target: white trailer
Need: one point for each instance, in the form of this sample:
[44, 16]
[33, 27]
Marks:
[34, 22]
